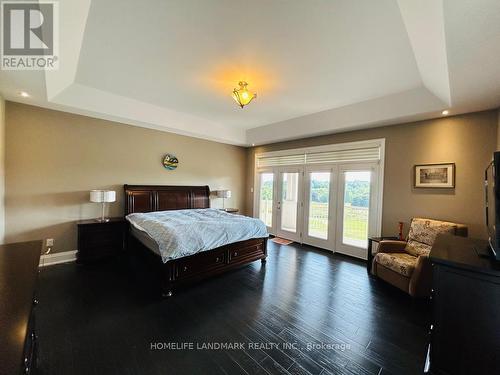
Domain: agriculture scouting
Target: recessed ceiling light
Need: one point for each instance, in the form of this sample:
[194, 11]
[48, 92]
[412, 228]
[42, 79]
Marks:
[445, 112]
[24, 94]
[253, 144]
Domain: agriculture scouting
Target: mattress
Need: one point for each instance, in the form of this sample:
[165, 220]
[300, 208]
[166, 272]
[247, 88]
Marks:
[145, 239]
[178, 233]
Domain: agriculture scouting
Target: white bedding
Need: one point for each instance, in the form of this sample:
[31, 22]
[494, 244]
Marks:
[180, 233]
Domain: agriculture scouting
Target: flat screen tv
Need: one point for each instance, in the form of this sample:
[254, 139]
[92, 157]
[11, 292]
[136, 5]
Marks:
[492, 189]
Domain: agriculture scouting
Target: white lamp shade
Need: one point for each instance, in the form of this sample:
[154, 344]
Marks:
[223, 193]
[100, 196]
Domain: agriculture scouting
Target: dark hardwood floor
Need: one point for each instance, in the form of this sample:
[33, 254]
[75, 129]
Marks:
[322, 313]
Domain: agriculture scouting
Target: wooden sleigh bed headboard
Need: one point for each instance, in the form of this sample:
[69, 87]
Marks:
[149, 198]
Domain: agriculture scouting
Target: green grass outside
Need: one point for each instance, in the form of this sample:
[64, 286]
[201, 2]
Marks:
[356, 223]
[355, 220]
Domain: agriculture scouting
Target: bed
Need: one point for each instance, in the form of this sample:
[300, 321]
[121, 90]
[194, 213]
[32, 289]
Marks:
[174, 269]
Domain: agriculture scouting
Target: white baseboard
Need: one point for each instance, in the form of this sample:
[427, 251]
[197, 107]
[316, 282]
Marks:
[57, 258]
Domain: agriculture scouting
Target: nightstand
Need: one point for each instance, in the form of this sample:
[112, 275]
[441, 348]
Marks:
[230, 210]
[97, 240]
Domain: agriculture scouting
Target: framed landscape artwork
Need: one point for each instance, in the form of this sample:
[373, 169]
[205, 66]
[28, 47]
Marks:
[441, 176]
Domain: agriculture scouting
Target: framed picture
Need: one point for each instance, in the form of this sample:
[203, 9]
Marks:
[435, 176]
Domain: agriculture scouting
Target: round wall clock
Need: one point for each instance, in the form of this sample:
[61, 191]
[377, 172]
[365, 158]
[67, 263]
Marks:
[170, 162]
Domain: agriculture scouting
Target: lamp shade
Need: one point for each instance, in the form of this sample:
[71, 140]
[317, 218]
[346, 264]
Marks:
[102, 196]
[223, 193]
[242, 96]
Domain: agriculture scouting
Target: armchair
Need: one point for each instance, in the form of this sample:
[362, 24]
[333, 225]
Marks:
[405, 264]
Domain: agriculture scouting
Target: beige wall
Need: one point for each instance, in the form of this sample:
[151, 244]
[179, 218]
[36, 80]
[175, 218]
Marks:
[498, 131]
[54, 158]
[467, 140]
[2, 169]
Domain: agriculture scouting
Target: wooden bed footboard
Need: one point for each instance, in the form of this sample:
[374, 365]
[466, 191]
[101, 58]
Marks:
[187, 270]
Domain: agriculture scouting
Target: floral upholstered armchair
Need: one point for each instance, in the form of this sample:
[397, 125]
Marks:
[405, 264]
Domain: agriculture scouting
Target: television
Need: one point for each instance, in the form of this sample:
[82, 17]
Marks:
[492, 190]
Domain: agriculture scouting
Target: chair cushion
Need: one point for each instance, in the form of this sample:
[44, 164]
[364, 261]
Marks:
[416, 248]
[423, 233]
[402, 263]
[426, 230]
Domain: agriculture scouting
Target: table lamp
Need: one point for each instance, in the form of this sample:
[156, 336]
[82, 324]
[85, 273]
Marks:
[223, 194]
[103, 197]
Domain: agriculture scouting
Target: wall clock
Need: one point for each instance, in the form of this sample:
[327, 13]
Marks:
[170, 162]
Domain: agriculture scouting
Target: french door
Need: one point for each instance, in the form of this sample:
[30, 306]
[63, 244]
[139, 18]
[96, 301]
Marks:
[290, 203]
[320, 206]
[280, 201]
[333, 206]
[266, 194]
[357, 208]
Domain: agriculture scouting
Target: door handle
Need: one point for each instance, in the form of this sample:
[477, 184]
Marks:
[279, 206]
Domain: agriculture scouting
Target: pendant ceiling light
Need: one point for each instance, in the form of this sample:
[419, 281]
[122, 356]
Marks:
[242, 95]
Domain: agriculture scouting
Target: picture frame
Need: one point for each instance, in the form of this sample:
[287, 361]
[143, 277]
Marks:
[434, 176]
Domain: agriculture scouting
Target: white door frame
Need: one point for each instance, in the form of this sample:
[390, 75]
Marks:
[374, 207]
[329, 243]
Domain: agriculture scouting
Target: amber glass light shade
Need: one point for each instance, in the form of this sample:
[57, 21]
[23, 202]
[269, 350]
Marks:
[242, 96]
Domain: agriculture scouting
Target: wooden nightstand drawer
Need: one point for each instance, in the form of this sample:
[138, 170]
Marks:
[100, 237]
[97, 240]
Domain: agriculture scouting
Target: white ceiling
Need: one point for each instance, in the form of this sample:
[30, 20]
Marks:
[317, 66]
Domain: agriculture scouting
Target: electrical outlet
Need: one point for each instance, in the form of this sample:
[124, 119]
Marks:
[49, 242]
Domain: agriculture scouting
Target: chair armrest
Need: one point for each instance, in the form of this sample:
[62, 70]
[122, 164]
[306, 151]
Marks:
[421, 279]
[391, 246]
[462, 230]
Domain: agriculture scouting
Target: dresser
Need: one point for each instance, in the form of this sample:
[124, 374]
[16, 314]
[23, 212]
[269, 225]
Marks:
[465, 327]
[18, 277]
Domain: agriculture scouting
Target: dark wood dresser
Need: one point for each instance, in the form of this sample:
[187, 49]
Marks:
[465, 330]
[18, 275]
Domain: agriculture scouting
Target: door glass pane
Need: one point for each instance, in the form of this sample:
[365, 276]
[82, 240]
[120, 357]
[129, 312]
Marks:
[289, 201]
[356, 207]
[319, 200]
[266, 198]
